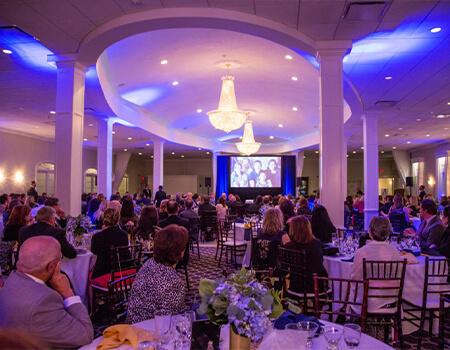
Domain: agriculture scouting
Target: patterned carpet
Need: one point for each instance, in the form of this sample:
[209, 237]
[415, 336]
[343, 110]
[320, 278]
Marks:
[207, 267]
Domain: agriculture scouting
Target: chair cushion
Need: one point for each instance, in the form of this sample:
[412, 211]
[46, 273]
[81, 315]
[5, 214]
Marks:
[238, 243]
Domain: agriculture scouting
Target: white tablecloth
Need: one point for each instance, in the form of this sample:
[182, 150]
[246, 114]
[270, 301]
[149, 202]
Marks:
[240, 230]
[367, 342]
[412, 289]
[78, 272]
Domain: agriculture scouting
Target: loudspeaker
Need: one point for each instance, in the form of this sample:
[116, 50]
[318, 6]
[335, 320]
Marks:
[409, 181]
[299, 182]
[207, 182]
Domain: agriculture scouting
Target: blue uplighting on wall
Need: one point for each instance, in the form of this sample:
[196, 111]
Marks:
[222, 175]
[142, 96]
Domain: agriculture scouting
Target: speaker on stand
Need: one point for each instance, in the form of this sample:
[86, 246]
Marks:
[208, 183]
[409, 183]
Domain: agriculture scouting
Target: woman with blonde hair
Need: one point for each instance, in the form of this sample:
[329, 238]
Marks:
[302, 238]
[272, 227]
[98, 215]
[396, 214]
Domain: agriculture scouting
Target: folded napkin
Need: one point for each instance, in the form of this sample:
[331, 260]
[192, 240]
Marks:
[117, 335]
[411, 258]
[415, 253]
[348, 260]
[289, 317]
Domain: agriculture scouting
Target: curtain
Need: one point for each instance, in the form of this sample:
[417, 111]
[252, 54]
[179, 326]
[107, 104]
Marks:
[288, 174]
[120, 168]
[300, 161]
[403, 163]
[222, 175]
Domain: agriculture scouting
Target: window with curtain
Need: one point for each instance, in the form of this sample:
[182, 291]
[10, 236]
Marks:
[90, 184]
[45, 178]
[123, 185]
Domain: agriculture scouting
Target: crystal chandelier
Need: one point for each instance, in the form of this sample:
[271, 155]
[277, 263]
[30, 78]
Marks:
[248, 145]
[227, 117]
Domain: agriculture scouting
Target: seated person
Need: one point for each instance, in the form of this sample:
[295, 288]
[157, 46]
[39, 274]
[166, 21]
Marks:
[431, 229]
[163, 210]
[221, 208]
[147, 225]
[45, 226]
[303, 207]
[398, 214]
[128, 218]
[157, 285]
[173, 218]
[302, 238]
[54, 315]
[321, 224]
[111, 236]
[444, 246]
[206, 205]
[20, 217]
[188, 212]
[377, 249]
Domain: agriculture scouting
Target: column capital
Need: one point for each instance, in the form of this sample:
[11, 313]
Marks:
[372, 115]
[332, 48]
[66, 61]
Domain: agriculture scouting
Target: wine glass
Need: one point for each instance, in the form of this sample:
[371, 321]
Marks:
[312, 328]
[335, 239]
[352, 335]
[146, 340]
[394, 240]
[163, 328]
[333, 335]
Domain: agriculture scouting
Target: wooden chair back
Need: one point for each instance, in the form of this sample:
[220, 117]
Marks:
[264, 254]
[444, 303]
[436, 278]
[119, 292]
[293, 267]
[341, 299]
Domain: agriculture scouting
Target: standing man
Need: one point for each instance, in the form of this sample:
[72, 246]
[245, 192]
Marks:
[148, 192]
[159, 196]
[32, 190]
[422, 193]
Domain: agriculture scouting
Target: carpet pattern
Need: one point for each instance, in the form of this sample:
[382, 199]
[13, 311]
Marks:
[207, 267]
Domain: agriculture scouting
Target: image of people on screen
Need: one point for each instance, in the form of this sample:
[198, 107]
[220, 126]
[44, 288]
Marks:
[255, 172]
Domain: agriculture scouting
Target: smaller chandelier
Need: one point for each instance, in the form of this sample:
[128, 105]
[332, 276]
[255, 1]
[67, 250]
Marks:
[248, 145]
[227, 117]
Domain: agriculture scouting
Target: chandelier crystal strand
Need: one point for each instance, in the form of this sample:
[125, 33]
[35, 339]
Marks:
[227, 117]
[248, 145]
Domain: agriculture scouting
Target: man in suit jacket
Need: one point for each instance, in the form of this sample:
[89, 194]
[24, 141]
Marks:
[45, 226]
[32, 191]
[172, 210]
[431, 229]
[148, 192]
[159, 196]
[55, 316]
[188, 212]
[206, 205]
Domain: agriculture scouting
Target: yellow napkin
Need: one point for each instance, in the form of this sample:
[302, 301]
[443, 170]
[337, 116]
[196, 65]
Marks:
[117, 335]
[410, 257]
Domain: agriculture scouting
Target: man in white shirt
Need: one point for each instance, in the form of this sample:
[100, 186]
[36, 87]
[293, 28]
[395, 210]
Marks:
[54, 316]
[377, 249]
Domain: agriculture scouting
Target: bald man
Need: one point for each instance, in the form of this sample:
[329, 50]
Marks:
[55, 316]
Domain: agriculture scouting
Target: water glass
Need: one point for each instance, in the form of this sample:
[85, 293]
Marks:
[311, 328]
[394, 240]
[182, 329]
[163, 329]
[352, 335]
[146, 340]
[333, 335]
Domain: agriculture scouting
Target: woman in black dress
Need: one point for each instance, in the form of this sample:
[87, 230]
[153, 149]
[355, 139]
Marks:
[321, 224]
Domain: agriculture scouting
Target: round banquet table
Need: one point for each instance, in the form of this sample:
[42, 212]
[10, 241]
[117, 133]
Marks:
[77, 270]
[320, 342]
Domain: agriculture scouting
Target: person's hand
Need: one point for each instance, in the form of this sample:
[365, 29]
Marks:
[409, 232]
[61, 213]
[61, 283]
[30, 222]
[130, 224]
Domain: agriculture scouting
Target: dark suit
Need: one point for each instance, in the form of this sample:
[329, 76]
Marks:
[174, 219]
[205, 206]
[159, 197]
[148, 193]
[444, 247]
[39, 311]
[431, 233]
[187, 214]
[32, 192]
[44, 229]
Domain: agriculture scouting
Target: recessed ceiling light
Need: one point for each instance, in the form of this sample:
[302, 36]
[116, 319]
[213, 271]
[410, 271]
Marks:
[354, 152]
[280, 125]
[304, 157]
[199, 149]
[52, 112]
[294, 78]
[362, 147]
[130, 138]
[207, 152]
[164, 62]
[294, 108]
[91, 124]
[173, 152]
[436, 30]
[387, 135]
[394, 147]
[147, 144]
[427, 135]
[400, 128]
[151, 156]
[317, 151]
[125, 149]
[388, 78]
[140, 153]
[114, 132]
[408, 141]
[288, 57]
[445, 128]
[382, 151]
[182, 156]
[271, 137]
[448, 103]
[199, 110]
[440, 116]
[84, 139]
[418, 119]
[175, 83]
[8, 52]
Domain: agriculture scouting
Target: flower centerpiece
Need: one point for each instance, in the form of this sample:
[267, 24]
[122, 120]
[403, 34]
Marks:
[78, 225]
[241, 301]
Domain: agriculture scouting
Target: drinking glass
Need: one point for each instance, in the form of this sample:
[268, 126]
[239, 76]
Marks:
[333, 335]
[312, 328]
[163, 329]
[352, 335]
[146, 340]
[335, 239]
[182, 328]
[394, 240]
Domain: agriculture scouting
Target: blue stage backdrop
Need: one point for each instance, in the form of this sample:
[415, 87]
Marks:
[287, 176]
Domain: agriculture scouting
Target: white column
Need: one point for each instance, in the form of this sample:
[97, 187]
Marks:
[158, 165]
[69, 133]
[370, 131]
[104, 156]
[344, 170]
[214, 171]
[332, 158]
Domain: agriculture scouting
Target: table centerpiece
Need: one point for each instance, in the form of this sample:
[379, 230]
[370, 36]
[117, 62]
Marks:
[77, 226]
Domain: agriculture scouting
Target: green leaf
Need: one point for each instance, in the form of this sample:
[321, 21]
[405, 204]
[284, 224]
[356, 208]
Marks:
[202, 309]
[206, 287]
[266, 301]
[294, 308]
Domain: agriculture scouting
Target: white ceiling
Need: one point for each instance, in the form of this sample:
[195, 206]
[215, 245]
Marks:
[397, 44]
